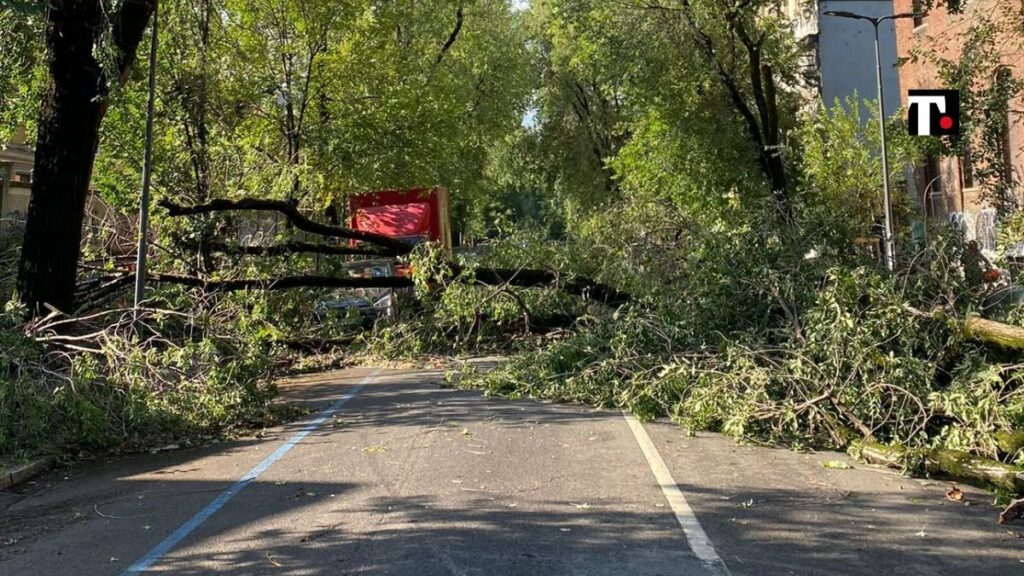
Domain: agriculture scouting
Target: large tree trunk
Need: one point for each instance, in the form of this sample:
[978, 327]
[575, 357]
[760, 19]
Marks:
[68, 136]
[69, 124]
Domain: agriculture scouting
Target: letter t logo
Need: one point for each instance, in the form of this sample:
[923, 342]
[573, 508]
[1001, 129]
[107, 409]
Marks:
[934, 112]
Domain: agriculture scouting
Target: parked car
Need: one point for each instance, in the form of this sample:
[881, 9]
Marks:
[361, 306]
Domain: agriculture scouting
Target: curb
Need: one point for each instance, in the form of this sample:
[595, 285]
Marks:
[14, 475]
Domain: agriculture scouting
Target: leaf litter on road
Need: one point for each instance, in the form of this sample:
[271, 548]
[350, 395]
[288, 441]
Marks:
[836, 465]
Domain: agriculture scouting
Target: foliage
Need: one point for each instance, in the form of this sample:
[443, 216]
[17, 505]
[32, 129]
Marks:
[164, 378]
[860, 365]
[312, 101]
[453, 314]
[21, 73]
[842, 171]
[658, 147]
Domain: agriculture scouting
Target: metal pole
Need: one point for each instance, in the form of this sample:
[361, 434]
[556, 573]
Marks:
[147, 172]
[888, 249]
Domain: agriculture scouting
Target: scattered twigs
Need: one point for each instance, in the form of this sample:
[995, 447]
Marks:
[852, 418]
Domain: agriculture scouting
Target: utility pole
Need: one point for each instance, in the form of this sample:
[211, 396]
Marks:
[888, 245]
[147, 172]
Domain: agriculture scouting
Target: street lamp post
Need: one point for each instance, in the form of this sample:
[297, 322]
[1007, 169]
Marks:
[888, 246]
[147, 173]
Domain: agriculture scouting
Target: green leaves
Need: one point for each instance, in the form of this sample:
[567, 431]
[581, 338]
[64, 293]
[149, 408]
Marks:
[22, 72]
[313, 100]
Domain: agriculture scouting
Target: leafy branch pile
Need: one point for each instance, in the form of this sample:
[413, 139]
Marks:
[859, 361]
[110, 380]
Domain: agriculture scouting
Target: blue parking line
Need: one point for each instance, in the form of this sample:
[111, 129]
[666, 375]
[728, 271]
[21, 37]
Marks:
[161, 549]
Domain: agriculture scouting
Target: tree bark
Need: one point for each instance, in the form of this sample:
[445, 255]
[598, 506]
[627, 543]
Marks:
[69, 122]
[992, 332]
[954, 464]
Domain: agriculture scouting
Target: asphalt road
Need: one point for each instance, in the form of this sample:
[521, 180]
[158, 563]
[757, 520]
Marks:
[396, 475]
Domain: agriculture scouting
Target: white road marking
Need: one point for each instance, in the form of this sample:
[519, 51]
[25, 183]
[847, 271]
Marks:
[175, 538]
[695, 535]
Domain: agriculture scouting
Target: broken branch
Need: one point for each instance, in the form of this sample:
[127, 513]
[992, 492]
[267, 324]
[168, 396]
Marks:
[396, 247]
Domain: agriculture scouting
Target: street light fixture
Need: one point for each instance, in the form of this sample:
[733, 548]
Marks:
[888, 248]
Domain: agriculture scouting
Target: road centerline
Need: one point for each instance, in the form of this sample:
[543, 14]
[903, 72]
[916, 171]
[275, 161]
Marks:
[698, 540]
[175, 538]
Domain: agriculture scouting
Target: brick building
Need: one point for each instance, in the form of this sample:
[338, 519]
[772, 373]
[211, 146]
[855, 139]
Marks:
[947, 188]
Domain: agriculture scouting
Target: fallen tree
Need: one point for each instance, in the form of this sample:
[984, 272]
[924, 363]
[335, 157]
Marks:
[380, 245]
[953, 464]
[992, 332]
[393, 246]
[486, 276]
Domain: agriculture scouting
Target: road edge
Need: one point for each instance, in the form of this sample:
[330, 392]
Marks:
[13, 476]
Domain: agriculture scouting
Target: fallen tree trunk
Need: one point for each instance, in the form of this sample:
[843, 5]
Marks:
[527, 278]
[954, 464]
[393, 246]
[992, 332]
[293, 247]
[283, 283]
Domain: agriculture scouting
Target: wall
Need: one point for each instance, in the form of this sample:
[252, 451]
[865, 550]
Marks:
[944, 34]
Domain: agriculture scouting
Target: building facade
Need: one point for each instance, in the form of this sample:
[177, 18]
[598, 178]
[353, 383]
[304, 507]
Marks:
[16, 160]
[947, 187]
[104, 228]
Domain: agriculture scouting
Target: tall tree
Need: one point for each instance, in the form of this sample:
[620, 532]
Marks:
[90, 46]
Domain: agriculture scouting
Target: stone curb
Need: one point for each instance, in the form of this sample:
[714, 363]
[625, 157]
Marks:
[14, 475]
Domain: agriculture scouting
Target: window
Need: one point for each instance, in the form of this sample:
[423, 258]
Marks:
[966, 169]
[1004, 77]
[23, 177]
[918, 14]
[932, 185]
